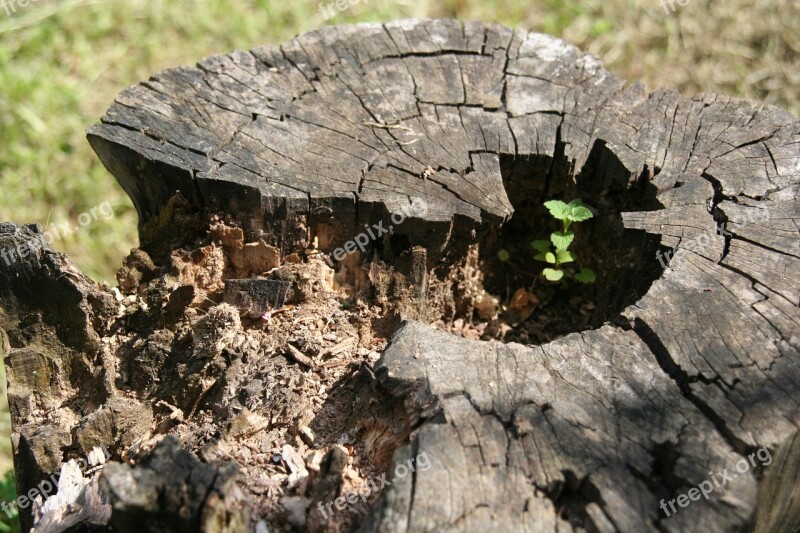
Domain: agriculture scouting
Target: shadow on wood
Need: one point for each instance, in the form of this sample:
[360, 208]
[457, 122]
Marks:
[683, 370]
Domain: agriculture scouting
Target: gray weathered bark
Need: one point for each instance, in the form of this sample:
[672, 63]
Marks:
[343, 127]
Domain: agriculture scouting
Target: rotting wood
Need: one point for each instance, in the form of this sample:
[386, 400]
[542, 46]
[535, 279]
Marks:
[304, 144]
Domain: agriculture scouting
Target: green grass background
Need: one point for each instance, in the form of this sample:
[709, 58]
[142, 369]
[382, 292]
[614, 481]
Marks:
[63, 61]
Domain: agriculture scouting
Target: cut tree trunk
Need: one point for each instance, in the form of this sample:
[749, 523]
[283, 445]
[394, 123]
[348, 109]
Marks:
[444, 131]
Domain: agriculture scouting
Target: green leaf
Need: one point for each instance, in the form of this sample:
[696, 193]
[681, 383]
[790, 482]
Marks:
[558, 209]
[503, 255]
[550, 257]
[541, 246]
[541, 256]
[551, 274]
[562, 240]
[565, 257]
[586, 275]
[578, 212]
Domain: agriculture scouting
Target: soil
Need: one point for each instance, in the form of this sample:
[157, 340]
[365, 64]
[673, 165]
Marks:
[510, 301]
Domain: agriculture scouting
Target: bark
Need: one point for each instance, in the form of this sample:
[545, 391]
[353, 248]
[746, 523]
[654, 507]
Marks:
[305, 144]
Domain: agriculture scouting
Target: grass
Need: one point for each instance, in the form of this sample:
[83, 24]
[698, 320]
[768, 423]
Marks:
[62, 63]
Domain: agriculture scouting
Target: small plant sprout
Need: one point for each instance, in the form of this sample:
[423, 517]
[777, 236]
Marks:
[555, 251]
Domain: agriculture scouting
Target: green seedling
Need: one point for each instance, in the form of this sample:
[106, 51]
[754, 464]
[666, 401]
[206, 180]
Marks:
[555, 251]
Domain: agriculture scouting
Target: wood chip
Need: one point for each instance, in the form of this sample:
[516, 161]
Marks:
[342, 346]
[300, 357]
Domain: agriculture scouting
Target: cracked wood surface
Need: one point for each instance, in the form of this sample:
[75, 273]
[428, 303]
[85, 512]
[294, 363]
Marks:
[590, 430]
[588, 427]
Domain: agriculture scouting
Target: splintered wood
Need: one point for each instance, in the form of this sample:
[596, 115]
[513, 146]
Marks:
[248, 381]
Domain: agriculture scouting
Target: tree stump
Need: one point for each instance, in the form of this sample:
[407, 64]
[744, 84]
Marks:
[389, 163]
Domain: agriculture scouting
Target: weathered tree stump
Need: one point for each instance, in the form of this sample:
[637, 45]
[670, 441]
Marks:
[681, 372]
